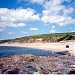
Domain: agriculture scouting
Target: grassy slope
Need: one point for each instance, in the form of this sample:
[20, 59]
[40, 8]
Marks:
[63, 36]
[56, 37]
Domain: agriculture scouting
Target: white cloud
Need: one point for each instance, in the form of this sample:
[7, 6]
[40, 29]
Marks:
[33, 1]
[53, 31]
[1, 30]
[67, 21]
[68, 0]
[53, 27]
[57, 13]
[11, 24]
[21, 24]
[68, 11]
[58, 19]
[24, 32]
[38, 1]
[17, 17]
[54, 12]
[10, 33]
[34, 29]
[72, 31]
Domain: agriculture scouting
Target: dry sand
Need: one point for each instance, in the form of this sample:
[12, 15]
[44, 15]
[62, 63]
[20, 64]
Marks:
[57, 47]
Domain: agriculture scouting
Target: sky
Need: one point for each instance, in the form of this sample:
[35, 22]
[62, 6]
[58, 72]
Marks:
[19, 18]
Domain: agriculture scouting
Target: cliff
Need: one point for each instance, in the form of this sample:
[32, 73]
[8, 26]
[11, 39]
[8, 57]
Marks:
[56, 37]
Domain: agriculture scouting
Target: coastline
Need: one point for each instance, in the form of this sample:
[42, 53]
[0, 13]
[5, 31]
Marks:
[32, 64]
[57, 46]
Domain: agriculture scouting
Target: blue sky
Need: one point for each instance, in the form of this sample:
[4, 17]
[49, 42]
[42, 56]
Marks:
[19, 18]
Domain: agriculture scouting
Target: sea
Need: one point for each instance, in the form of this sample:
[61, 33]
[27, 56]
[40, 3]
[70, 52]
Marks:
[7, 51]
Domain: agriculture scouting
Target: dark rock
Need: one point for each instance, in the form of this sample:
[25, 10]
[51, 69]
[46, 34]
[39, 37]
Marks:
[15, 71]
[31, 60]
[1, 66]
[4, 70]
[62, 53]
[44, 71]
[72, 72]
[33, 68]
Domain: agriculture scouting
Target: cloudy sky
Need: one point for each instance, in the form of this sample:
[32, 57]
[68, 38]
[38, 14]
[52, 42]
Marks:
[20, 18]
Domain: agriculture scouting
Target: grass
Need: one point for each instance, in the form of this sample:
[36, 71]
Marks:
[56, 37]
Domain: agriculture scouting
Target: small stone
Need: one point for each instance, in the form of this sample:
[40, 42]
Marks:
[0, 71]
[30, 71]
[24, 71]
[44, 71]
[1, 66]
[4, 70]
[33, 68]
[15, 71]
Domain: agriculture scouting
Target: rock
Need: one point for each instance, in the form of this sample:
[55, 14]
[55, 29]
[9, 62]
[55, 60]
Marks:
[14, 71]
[44, 70]
[72, 72]
[72, 66]
[4, 70]
[0, 71]
[24, 71]
[1, 65]
[31, 60]
[33, 68]
[30, 71]
[30, 64]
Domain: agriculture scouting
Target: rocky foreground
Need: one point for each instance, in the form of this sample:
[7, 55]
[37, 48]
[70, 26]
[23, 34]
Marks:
[30, 64]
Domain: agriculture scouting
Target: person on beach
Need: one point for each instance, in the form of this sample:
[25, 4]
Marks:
[71, 52]
[67, 46]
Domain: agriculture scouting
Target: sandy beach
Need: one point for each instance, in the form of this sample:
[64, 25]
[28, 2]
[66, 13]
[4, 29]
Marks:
[57, 46]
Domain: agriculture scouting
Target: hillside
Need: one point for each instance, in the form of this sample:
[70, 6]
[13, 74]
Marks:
[56, 37]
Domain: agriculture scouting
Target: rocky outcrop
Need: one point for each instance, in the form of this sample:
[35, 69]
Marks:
[30, 64]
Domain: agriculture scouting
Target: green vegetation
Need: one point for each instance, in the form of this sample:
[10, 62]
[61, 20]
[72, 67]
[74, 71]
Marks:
[56, 37]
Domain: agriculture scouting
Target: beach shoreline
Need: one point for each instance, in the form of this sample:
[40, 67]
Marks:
[56, 46]
[32, 64]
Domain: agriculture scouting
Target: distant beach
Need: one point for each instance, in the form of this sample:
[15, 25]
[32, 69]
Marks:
[57, 46]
